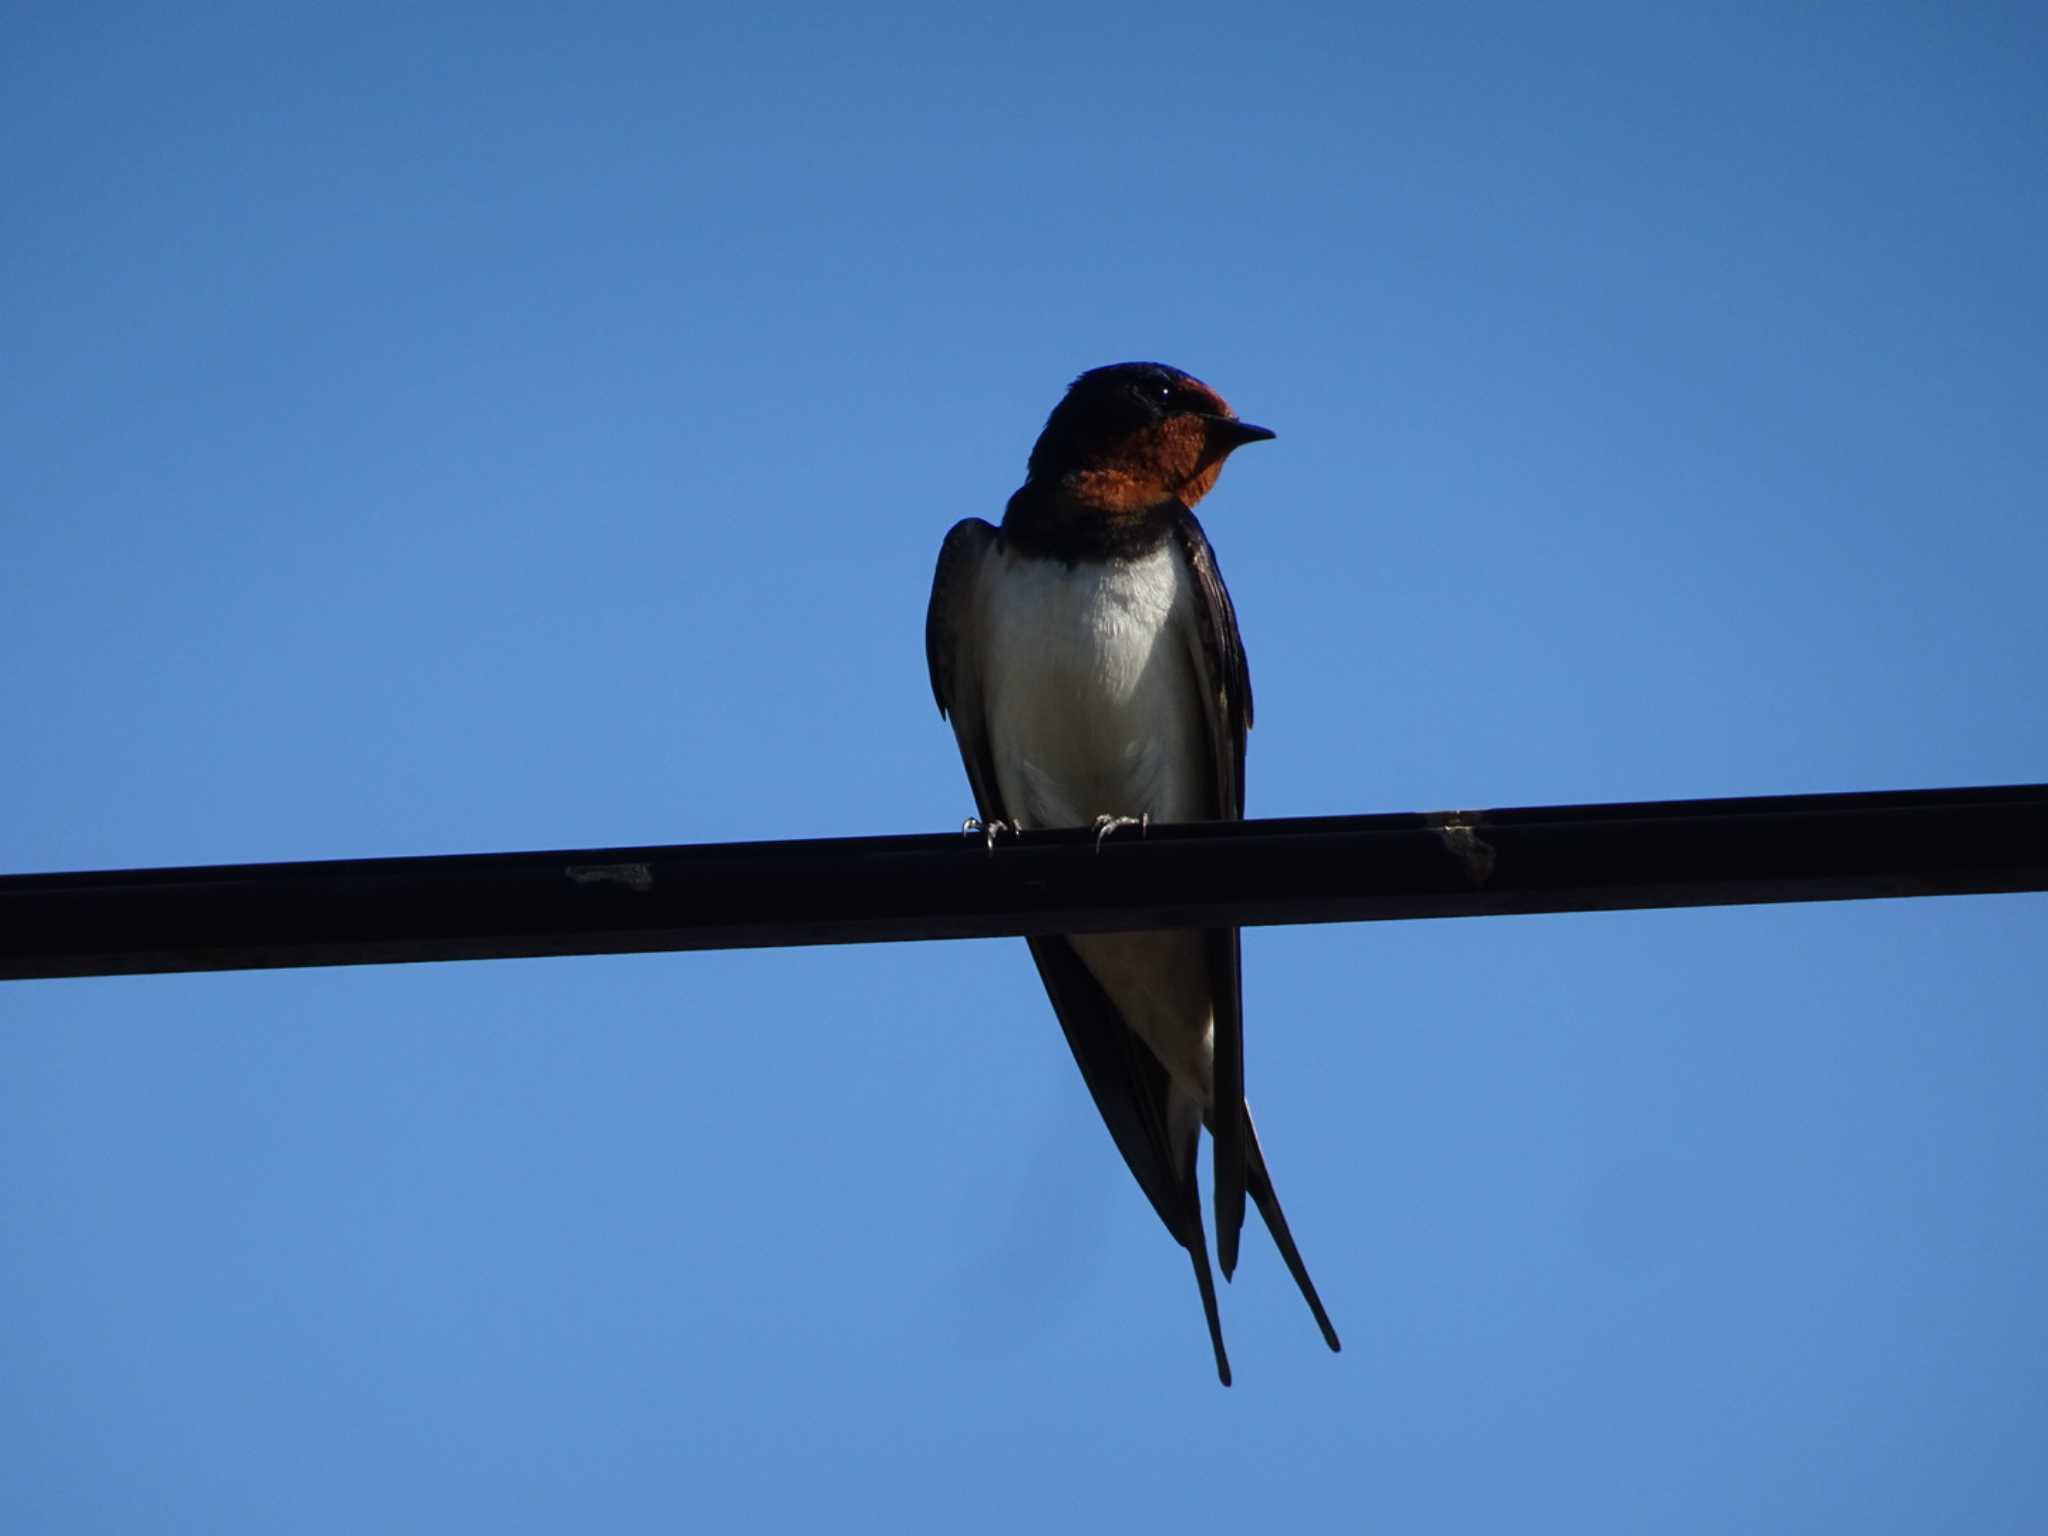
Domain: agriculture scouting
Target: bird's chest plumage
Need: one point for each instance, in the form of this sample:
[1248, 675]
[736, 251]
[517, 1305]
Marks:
[1093, 703]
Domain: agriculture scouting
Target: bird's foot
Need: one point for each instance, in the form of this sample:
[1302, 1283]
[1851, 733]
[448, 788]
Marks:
[1104, 825]
[988, 830]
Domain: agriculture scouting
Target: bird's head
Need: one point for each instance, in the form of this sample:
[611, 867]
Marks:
[1133, 435]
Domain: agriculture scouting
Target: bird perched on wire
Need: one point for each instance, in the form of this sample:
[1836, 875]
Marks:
[1089, 658]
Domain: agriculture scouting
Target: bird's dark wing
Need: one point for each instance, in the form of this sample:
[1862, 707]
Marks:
[950, 653]
[1130, 1088]
[1227, 676]
[1227, 708]
[1125, 1079]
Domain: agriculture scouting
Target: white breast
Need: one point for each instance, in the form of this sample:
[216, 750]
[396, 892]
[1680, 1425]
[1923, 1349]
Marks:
[1091, 693]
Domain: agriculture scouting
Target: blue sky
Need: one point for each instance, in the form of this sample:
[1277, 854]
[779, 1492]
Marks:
[434, 430]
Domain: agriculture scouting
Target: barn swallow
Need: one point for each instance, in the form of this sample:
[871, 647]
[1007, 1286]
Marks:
[1089, 658]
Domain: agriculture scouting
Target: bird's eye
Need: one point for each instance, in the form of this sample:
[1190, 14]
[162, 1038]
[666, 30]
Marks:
[1164, 395]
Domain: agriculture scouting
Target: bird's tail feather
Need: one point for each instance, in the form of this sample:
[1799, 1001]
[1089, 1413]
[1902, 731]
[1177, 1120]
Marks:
[1189, 1229]
[1259, 1184]
[1199, 1252]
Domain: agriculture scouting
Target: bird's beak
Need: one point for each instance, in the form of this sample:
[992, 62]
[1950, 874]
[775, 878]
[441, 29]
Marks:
[1227, 432]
